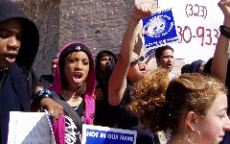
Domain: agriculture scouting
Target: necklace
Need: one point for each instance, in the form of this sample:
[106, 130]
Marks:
[78, 103]
[71, 98]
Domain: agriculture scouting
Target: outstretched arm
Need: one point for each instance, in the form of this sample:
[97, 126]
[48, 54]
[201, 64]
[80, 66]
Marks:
[118, 79]
[42, 102]
[220, 59]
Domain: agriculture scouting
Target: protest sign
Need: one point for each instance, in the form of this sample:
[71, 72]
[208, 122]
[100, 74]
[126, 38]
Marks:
[105, 135]
[29, 127]
[159, 29]
[197, 23]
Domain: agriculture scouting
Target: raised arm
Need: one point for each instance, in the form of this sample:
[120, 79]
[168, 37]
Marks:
[118, 79]
[220, 59]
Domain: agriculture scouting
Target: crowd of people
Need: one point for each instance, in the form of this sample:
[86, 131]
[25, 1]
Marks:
[116, 90]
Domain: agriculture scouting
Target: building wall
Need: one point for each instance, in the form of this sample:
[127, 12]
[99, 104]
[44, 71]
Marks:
[100, 23]
[45, 13]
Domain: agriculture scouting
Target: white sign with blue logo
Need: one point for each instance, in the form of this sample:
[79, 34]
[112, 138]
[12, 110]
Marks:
[159, 29]
[104, 135]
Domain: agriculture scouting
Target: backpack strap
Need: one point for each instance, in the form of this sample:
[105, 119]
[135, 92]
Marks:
[69, 111]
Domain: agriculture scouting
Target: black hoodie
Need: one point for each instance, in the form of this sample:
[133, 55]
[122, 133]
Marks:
[30, 39]
[16, 87]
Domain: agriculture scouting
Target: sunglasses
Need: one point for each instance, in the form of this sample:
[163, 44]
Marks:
[135, 61]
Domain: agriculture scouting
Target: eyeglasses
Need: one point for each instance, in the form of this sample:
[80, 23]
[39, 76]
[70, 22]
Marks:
[134, 62]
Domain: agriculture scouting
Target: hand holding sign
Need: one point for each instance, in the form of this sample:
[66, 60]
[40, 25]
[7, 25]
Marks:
[54, 108]
[159, 29]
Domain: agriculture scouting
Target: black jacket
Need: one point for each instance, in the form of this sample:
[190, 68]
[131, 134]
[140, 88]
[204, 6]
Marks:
[17, 84]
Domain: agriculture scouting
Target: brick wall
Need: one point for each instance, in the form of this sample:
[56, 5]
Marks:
[45, 13]
[100, 23]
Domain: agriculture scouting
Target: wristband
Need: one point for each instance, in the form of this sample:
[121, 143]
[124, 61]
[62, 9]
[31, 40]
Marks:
[225, 31]
[45, 93]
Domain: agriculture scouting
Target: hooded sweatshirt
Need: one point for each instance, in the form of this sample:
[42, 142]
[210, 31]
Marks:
[102, 79]
[57, 87]
[16, 86]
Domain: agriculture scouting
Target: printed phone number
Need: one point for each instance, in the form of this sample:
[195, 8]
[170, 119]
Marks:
[205, 35]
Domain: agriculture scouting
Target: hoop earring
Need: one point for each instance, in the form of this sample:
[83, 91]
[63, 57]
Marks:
[193, 139]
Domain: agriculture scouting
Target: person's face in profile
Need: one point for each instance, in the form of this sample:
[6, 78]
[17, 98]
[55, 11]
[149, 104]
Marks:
[10, 42]
[137, 69]
[213, 126]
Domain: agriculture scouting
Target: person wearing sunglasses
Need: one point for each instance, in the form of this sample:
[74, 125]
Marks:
[129, 69]
[137, 68]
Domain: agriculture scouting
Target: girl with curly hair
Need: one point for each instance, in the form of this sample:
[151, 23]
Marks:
[192, 107]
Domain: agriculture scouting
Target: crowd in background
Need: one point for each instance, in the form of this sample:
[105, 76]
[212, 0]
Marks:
[116, 90]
